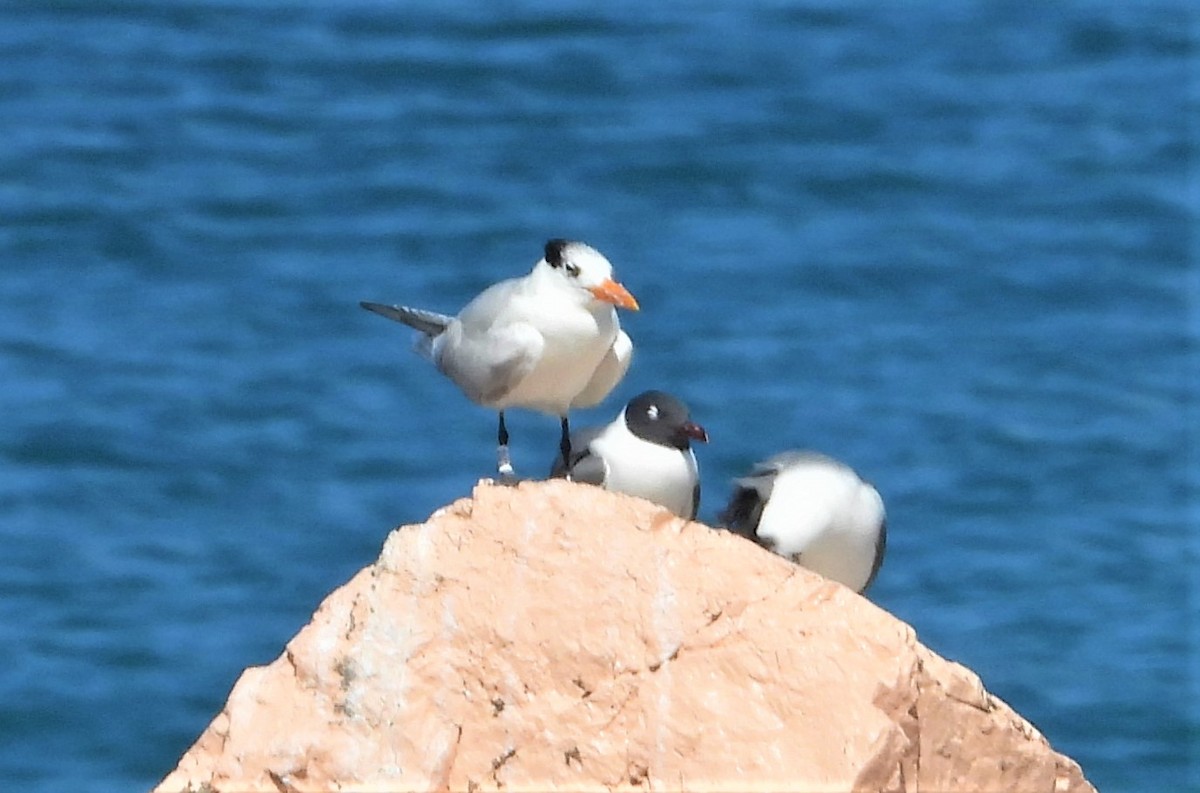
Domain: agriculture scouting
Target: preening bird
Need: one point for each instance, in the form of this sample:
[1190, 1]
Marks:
[646, 451]
[815, 511]
[548, 341]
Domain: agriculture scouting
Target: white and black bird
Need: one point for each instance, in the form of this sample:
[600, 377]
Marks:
[646, 451]
[548, 341]
[816, 512]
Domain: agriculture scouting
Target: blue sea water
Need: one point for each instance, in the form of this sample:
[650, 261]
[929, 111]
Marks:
[950, 243]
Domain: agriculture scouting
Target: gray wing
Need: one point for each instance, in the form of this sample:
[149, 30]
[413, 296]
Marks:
[487, 365]
[589, 469]
[776, 463]
[487, 350]
[585, 466]
[492, 306]
[695, 500]
[430, 323]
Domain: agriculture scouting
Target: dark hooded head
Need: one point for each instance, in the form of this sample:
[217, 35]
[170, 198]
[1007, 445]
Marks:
[660, 418]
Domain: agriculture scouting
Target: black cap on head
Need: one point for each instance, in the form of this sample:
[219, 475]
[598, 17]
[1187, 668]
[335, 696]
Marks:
[554, 251]
[660, 418]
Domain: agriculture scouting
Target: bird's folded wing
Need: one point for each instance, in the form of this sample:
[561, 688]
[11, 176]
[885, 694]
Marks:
[580, 440]
[589, 469]
[488, 366]
[494, 306]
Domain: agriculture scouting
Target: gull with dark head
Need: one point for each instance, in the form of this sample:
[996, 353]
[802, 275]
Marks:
[646, 451]
[548, 341]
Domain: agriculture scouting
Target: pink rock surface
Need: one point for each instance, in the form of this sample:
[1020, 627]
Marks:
[557, 636]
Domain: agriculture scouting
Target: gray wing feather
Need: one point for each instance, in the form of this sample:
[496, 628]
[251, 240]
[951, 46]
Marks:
[430, 323]
[582, 457]
[776, 463]
[488, 366]
[485, 360]
[589, 469]
[491, 307]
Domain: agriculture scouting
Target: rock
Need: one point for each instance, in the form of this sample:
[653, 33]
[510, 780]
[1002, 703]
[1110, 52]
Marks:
[557, 636]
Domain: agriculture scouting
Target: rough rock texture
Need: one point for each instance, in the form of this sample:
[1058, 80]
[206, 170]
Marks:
[556, 636]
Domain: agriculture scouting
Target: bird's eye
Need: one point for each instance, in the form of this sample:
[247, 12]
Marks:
[652, 412]
[572, 269]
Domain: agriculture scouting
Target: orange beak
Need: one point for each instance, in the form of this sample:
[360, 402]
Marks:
[612, 292]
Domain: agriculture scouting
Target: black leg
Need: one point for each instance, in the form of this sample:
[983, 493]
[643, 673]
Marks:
[564, 444]
[504, 464]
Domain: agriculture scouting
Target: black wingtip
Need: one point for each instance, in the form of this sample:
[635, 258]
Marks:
[739, 514]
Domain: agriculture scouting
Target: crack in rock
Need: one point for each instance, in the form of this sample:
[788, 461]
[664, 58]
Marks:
[659, 664]
[987, 706]
[499, 763]
[351, 619]
[441, 775]
[633, 692]
[281, 784]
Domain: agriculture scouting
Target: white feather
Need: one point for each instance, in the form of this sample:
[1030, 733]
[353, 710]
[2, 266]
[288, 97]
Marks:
[824, 516]
[664, 475]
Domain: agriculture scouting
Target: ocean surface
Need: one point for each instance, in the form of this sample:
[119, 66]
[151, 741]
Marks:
[952, 244]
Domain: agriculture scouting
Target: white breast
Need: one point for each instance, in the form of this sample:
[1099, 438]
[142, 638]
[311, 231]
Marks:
[656, 473]
[575, 341]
